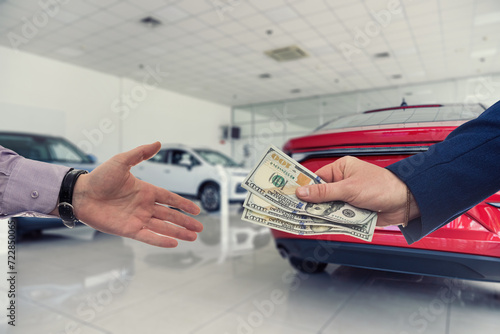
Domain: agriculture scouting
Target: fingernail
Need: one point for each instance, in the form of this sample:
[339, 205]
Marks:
[303, 191]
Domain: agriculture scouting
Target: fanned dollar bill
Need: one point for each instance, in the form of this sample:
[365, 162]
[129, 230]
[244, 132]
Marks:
[277, 176]
[281, 225]
[271, 202]
[260, 206]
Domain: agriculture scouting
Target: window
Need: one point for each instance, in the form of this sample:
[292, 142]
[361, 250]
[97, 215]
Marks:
[61, 152]
[160, 157]
[181, 157]
[43, 148]
[216, 158]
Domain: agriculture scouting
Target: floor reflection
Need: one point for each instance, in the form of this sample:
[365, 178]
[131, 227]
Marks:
[82, 281]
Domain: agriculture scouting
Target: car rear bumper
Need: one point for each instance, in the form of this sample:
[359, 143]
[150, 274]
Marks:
[396, 259]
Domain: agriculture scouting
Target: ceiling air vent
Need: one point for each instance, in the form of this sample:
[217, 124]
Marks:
[382, 55]
[288, 53]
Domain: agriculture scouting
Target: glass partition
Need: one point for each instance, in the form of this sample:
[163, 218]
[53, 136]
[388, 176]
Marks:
[276, 122]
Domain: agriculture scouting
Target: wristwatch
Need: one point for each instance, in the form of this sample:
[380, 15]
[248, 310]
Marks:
[65, 205]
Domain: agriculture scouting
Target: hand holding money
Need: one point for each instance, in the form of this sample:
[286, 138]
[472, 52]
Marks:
[362, 183]
[271, 201]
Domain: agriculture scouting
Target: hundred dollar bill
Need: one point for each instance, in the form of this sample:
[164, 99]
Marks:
[281, 225]
[258, 205]
[275, 179]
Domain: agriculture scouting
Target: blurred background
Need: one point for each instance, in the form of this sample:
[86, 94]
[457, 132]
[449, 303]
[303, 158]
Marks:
[82, 80]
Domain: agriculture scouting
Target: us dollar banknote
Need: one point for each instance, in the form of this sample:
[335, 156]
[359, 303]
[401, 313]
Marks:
[277, 176]
[281, 225]
[260, 206]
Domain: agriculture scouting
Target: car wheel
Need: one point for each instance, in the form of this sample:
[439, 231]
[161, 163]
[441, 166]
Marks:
[210, 197]
[307, 266]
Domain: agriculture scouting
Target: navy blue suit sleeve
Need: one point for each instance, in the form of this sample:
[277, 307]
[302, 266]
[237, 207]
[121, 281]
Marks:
[454, 175]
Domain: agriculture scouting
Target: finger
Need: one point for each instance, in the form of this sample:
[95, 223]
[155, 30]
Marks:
[170, 230]
[178, 218]
[318, 193]
[335, 171]
[149, 237]
[138, 154]
[326, 173]
[166, 197]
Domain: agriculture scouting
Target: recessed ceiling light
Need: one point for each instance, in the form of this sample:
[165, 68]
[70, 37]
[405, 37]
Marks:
[265, 76]
[150, 22]
[396, 76]
[295, 91]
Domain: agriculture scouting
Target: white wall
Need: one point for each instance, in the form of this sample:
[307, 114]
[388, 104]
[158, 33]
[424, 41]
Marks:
[103, 114]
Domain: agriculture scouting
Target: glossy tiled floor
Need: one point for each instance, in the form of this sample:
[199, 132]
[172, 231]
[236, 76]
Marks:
[79, 281]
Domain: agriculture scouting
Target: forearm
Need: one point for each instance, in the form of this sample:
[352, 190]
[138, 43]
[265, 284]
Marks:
[454, 175]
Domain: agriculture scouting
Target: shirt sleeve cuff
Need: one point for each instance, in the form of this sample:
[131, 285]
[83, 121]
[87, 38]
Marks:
[33, 186]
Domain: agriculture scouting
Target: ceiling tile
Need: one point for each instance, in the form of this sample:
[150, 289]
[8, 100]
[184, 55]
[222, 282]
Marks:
[106, 18]
[101, 3]
[256, 21]
[66, 17]
[319, 19]
[238, 10]
[172, 13]
[281, 14]
[125, 10]
[192, 25]
[197, 7]
[264, 5]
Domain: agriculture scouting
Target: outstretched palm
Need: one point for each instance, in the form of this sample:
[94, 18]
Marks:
[112, 200]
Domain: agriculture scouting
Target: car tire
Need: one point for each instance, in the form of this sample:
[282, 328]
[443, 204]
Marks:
[307, 266]
[210, 197]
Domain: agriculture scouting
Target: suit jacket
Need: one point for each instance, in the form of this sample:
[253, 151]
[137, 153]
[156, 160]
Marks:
[454, 175]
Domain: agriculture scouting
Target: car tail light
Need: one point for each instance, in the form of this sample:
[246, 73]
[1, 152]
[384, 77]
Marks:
[488, 215]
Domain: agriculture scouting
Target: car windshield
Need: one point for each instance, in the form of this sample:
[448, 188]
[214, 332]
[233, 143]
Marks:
[406, 116]
[45, 149]
[216, 158]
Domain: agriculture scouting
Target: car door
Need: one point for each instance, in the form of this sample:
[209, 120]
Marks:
[154, 170]
[184, 172]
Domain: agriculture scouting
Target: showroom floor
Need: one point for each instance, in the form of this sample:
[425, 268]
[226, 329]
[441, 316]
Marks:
[79, 281]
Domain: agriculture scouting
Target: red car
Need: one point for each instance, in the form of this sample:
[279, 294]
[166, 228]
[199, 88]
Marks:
[468, 247]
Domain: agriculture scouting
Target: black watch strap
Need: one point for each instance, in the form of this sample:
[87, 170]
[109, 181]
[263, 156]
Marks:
[65, 205]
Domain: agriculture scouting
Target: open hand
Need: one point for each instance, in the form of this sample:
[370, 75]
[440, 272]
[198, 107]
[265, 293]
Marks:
[112, 200]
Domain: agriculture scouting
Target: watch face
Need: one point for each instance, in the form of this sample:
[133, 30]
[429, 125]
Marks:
[67, 215]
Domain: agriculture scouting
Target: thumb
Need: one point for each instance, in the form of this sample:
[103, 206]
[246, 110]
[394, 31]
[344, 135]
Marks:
[325, 192]
[139, 154]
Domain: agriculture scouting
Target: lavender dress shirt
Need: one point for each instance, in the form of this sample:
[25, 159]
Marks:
[28, 186]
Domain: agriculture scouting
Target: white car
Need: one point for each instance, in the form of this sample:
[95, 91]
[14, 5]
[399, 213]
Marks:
[192, 172]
